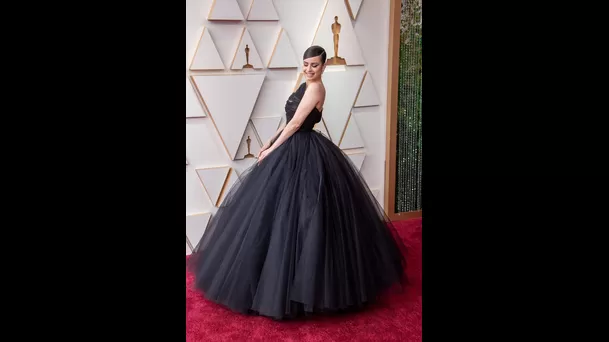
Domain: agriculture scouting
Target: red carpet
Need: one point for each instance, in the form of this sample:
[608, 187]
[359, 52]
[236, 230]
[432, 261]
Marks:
[398, 318]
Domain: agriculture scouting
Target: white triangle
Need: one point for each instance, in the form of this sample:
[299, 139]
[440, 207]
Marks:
[225, 10]
[230, 100]
[196, 197]
[367, 94]
[213, 181]
[357, 159]
[262, 10]
[352, 137]
[240, 58]
[266, 127]
[194, 108]
[188, 251]
[321, 127]
[348, 45]
[230, 181]
[343, 84]
[254, 145]
[195, 227]
[206, 56]
[283, 54]
[354, 5]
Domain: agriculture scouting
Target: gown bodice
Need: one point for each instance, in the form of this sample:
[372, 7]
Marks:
[292, 104]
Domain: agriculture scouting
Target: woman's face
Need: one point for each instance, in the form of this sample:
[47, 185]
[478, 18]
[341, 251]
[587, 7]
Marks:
[312, 68]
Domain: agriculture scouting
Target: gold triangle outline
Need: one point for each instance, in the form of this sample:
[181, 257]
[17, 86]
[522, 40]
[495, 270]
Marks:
[226, 177]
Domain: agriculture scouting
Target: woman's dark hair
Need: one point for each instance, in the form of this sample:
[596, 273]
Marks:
[315, 51]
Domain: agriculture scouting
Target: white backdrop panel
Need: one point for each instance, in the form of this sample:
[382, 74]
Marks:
[228, 101]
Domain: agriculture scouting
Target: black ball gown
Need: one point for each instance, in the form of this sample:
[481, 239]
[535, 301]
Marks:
[299, 233]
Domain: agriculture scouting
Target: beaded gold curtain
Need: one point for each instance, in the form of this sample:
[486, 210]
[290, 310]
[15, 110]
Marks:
[409, 142]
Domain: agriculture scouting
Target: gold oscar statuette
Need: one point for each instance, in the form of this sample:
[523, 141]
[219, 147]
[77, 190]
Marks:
[336, 60]
[247, 58]
[249, 145]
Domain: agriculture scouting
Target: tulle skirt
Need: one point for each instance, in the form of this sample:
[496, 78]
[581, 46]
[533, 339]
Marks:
[299, 233]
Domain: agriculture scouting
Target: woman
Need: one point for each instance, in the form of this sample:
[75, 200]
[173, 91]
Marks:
[300, 232]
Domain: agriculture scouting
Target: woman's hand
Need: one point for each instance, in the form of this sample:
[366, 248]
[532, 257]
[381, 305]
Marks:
[263, 154]
[266, 146]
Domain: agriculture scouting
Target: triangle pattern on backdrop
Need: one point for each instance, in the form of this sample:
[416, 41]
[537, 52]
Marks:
[225, 10]
[250, 145]
[195, 227]
[194, 107]
[262, 10]
[213, 180]
[206, 55]
[352, 137]
[243, 56]
[217, 181]
[229, 100]
[345, 84]
[353, 7]
[283, 53]
[367, 94]
[266, 127]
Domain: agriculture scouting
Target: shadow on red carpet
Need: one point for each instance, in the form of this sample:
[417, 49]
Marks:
[396, 318]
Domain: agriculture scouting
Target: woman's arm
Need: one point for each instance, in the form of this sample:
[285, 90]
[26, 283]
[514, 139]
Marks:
[281, 127]
[311, 97]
